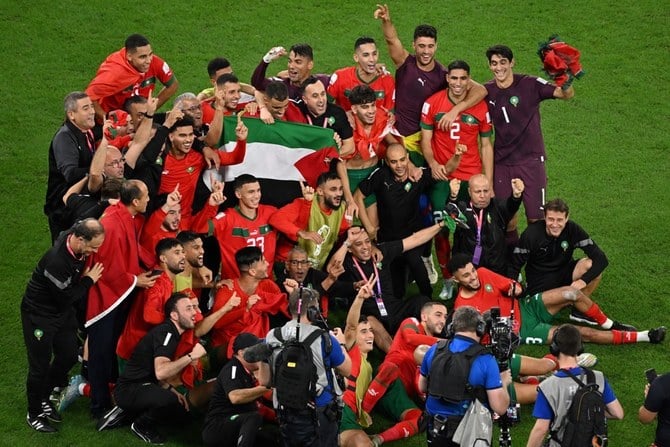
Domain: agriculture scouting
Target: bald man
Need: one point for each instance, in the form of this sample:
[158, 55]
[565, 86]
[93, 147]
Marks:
[487, 219]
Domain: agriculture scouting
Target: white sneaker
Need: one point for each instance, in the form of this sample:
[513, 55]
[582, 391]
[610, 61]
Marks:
[447, 289]
[430, 268]
[587, 360]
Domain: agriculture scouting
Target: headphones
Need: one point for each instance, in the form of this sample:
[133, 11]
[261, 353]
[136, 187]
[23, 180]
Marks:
[313, 312]
[480, 329]
[554, 347]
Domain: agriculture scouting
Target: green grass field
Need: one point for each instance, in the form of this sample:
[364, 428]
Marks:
[607, 147]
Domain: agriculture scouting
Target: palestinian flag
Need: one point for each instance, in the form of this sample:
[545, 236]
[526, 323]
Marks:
[280, 155]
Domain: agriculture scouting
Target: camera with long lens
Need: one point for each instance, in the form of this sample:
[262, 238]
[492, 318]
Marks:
[502, 339]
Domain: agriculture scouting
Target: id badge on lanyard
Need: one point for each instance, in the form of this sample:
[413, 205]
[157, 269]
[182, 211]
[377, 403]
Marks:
[380, 306]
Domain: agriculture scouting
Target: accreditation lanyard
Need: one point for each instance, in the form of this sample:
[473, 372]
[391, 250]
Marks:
[325, 121]
[378, 295]
[478, 246]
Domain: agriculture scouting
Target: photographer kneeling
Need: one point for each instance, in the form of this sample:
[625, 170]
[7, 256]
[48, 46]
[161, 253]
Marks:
[456, 371]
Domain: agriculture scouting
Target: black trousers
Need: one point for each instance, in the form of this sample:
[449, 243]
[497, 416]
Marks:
[52, 347]
[148, 404]
[410, 260]
[240, 430]
[102, 366]
[310, 428]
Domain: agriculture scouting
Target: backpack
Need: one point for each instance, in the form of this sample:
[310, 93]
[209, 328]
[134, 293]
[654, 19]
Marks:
[449, 372]
[586, 421]
[296, 374]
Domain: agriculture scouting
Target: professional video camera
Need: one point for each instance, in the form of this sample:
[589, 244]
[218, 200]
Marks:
[502, 339]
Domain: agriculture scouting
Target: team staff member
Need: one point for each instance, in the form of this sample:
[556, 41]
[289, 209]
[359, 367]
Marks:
[233, 411]
[657, 404]
[48, 316]
[131, 71]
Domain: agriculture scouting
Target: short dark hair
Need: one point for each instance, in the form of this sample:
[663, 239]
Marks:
[216, 64]
[87, 228]
[466, 319]
[276, 90]
[226, 78]
[458, 65]
[246, 256]
[244, 179]
[166, 244]
[309, 297]
[326, 177]
[171, 303]
[135, 99]
[362, 41]
[70, 101]
[362, 94]
[111, 188]
[425, 30]
[130, 190]
[134, 41]
[184, 121]
[568, 340]
[429, 305]
[557, 205]
[186, 237]
[458, 261]
[499, 50]
[303, 49]
[307, 82]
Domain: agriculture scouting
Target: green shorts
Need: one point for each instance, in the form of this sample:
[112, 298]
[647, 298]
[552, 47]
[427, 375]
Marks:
[393, 404]
[440, 192]
[358, 175]
[536, 320]
[515, 365]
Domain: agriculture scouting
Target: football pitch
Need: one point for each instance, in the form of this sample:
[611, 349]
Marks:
[607, 147]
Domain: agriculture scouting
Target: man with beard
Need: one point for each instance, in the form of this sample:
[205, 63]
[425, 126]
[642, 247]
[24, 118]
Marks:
[359, 342]
[399, 361]
[398, 196]
[365, 72]
[143, 389]
[459, 151]
[147, 309]
[258, 296]
[533, 314]
[487, 218]
[314, 223]
[133, 70]
[417, 77]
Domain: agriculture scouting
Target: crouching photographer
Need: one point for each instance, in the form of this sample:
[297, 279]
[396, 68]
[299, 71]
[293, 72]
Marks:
[456, 373]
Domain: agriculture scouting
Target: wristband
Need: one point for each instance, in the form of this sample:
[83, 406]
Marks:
[189, 356]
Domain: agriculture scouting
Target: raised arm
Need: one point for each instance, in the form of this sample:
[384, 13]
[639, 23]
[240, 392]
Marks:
[397, 52]
[421, 237]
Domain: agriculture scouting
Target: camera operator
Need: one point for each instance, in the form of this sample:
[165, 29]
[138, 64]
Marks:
[556, 393]
[446, 377]
[657, 404]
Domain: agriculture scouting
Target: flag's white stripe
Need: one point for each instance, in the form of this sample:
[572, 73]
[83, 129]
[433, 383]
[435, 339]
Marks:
[267, 160]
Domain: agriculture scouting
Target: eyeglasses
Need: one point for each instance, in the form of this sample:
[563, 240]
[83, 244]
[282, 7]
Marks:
[295, 263]
[116, 163]
[192, 109]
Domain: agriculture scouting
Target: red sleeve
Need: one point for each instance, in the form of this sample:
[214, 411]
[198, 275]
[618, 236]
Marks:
[289, 219]
[201, 220]
[162, 70]
[389, 93]
[234, 157]
[222, 297]
[420, 339]
[272, 298]
[152, 227]
[154, 304]
[427, 115]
